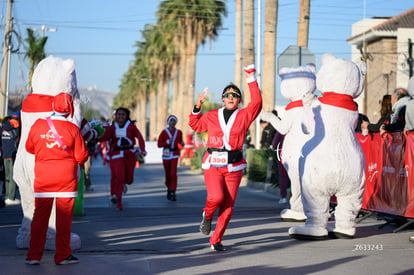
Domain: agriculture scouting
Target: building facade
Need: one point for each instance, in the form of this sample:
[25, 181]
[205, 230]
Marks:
[386, 44]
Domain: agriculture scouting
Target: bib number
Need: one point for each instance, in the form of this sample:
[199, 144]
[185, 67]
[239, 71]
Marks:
[219, 158]
[166, 152]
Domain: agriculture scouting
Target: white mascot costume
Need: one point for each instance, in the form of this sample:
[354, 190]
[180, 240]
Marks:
[298, 85]
[52, 76]
[332, 161]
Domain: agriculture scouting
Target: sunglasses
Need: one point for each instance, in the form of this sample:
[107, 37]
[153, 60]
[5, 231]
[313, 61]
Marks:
[233, 95]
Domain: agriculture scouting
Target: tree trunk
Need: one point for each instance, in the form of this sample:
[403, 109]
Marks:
[269, 60]
[238, 73]
[162, 106]
[248, 53]
[153, 114]
[303, 26]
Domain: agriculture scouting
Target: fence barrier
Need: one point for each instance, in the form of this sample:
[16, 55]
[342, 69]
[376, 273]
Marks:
[389, 185]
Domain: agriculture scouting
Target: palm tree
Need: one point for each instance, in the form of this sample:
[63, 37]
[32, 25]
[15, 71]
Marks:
[269, 58]
[248, 51]
[239, 28]
[35, 51]
[194, 21]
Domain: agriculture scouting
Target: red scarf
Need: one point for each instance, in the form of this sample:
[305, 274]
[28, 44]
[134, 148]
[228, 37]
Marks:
[338, 100]
[36, 103]
[294, 104]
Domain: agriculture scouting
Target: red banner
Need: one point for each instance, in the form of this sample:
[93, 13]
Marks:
[389, 161]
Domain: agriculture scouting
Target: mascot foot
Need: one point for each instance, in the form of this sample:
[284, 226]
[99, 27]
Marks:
[75, 242]
[308, 233]
[288, 215]
[23, 241]
[342, 234]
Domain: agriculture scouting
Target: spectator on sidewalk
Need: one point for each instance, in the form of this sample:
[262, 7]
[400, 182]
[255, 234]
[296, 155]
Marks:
[399, 99]
[284, 181]
[385, 112]
[268, 133]
[10, 135]
[409, 112]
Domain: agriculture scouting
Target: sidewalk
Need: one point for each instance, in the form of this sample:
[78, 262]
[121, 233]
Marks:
[156, 236]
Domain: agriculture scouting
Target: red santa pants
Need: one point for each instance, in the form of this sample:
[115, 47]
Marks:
[39, 226]
[170, 168]
[122, 172]
[188, 152]
[222, 187]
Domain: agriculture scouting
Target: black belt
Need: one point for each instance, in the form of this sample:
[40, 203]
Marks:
[123, 148]
[233, 156]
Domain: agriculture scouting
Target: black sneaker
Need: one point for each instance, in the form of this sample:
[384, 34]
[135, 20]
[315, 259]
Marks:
[173, 197]
[32, 262]
[205, 226]
[218, 247]
[69, 260]
[113, 199]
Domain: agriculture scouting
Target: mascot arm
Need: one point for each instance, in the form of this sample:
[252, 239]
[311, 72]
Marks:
[282, 126]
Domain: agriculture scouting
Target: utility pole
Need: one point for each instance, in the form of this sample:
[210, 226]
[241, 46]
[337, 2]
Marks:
[5, 68]
[303, 26]
[410, 57]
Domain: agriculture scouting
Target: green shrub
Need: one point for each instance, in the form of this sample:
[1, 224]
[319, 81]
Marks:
[198, 158]
[256, 164]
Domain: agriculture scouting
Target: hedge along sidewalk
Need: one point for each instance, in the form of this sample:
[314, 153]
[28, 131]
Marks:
[264, 186]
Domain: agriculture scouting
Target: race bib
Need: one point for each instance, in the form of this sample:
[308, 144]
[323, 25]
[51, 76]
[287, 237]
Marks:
[219, 158]
[166, 152]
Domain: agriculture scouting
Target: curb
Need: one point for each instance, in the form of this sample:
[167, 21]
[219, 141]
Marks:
[264, 186]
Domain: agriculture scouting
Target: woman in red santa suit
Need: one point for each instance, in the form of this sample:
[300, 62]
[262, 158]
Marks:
[122, 135]
[171, 142]
[223, 162]
[58, 147]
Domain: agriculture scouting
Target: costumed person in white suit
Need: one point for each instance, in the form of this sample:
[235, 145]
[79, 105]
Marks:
[59, 149]
[52, 76]
[298, 85]
[332, 161]
[223, 162]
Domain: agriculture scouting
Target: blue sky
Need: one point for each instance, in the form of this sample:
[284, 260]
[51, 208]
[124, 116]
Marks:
[100, 35]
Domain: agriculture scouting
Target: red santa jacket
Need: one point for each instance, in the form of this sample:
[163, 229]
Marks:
[228, 136]
[122, 140]
[56, 168]
[171, 142]
[189, 141]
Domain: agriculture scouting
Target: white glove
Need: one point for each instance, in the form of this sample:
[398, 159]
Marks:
[266, 116]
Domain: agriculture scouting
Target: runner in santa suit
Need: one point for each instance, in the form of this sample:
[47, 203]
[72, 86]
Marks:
[171, 140]
[223, 163]
[58, 147]
[188, 147]
[122, 135]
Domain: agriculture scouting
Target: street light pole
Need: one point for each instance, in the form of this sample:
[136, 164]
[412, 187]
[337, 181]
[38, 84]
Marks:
[5, 70]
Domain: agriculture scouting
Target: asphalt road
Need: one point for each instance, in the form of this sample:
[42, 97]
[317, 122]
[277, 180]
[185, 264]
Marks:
[156, 236]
